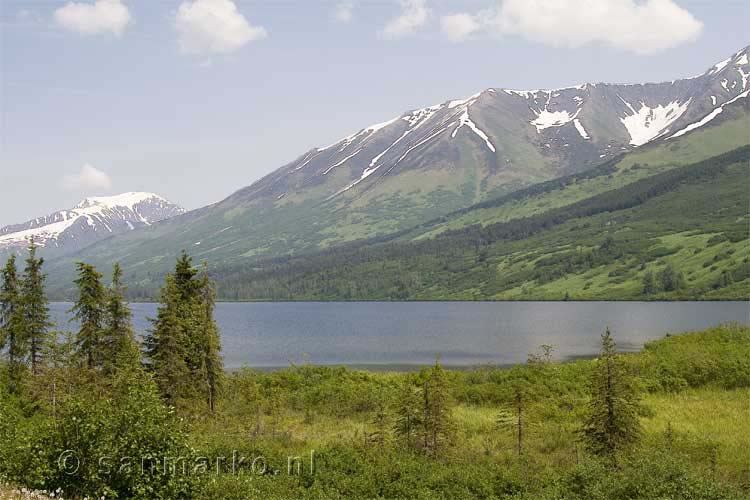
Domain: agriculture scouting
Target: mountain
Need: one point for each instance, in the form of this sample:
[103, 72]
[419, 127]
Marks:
[690, 221]
[432, 161]
[93, 219]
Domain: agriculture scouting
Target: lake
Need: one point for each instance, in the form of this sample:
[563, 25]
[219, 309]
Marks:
[403, 335]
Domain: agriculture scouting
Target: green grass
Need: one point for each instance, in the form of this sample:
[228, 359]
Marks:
[331, 409]
[695, 398]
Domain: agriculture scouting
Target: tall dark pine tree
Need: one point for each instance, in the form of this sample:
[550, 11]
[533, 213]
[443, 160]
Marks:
[611, 423]
[184, 343]
[89, 310]
[212, 366]
[11, 324]
[120, 347]
[36, 321]
[165, 345]
[188, 287]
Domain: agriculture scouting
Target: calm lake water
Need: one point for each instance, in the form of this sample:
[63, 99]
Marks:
[404, 334]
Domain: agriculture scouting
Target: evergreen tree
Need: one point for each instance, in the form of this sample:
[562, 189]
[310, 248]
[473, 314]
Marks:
[649, 283]
[381, 422]
[185, 342]
[120, 347]
[12, 332]
[190, 293]
[34, 302]
[611, 423]
[185, 277]
[514, 417]
[437, 422]
[671, 280]
[408, 415]
[212, 366]
[165, 346]
[89, 310]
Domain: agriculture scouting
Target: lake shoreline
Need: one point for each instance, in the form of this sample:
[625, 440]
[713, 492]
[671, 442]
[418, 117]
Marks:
[405, 336]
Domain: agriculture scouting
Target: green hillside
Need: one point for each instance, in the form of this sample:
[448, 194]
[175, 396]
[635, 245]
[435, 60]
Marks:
[686, 226]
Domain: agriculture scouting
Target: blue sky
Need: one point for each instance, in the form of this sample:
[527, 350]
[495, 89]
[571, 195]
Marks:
[195, 99]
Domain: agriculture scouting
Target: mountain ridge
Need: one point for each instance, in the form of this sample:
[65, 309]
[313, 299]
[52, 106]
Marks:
[432, 161]
[94, 218]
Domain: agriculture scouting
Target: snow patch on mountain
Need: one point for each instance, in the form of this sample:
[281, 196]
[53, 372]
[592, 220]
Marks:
[580, 129]
[461, 102]
[647, 123]
[744, 77]
[341, 162]
[546, 119]
[465, 120]
[719, 66]
[713, 114]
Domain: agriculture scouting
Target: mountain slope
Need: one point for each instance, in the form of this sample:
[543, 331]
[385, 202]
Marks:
[93, 219]
[694, 218]
[433, 161]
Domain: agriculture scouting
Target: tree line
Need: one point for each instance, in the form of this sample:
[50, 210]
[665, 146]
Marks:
[180, 352]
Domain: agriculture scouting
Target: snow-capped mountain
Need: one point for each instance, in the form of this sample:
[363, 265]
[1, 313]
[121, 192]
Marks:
[432, 161]
[518, 133]
[91, 220]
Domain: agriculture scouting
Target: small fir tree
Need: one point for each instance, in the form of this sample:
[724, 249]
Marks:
[611, 423]
[437, 422]
[408, 415]
[649, 283]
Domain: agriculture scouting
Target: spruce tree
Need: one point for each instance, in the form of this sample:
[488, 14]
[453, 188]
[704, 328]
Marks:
[437, 422]
[408, 415]
[120, 347]
[89, 310]
[381, 421]
[189, 294]
[185, 342]
[514, 417]
[165, 345]
[212, 366]
[185, 277]
[649, 283]
[35, 306]
[12, 332]
[671, 279]
[611, 423]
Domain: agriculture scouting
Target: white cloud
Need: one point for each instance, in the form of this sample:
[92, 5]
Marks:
[641, 27]
[343, 12]
[214, 26]
[414, 15]
[89, 177]
[103, 16]
[459, 26]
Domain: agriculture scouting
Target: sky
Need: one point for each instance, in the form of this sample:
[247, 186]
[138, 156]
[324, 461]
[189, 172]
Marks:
[195, 99]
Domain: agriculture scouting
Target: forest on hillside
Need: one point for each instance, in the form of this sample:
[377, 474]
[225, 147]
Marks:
[679, 234]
